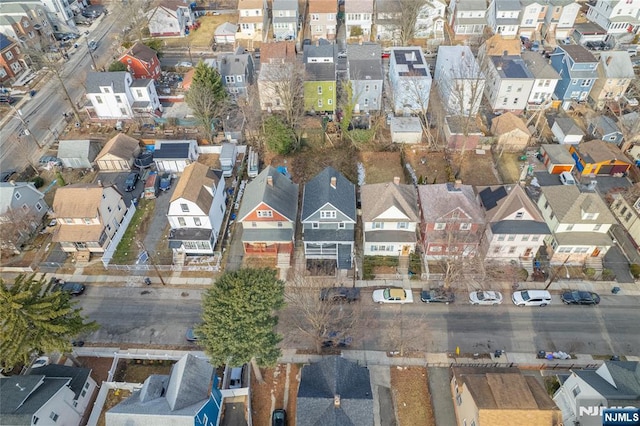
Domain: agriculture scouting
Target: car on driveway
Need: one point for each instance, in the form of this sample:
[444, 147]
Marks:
[279, 417]
[74, 289]
[41, 362]
[191, 335]
[132, 180]
[580, 298]
[485, 297]
[340, 294]
[165, 182]
[437, 295]
[393, 295]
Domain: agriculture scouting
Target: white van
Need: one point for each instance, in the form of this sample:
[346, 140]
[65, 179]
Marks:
[531, 298]
[235, 380]
[567, 178]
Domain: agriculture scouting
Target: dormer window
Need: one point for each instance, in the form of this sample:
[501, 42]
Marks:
[106, 90]
[265, 213]
[589, 216]
[328, 214]
[519, 215]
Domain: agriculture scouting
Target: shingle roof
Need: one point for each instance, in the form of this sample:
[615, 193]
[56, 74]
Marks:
[568, 126]
[5, 41]
[539, 66]
[625, 376]
[226, 28]
[280, 50]
[282, 196]
[437, 201]
[605, 125]
[323, 6]
[597, 151]
[22, 396]
[320, 71]
[78, 200]
[616, 65]
[568, 203]
[559, 154]
[365, 61]
[379, 197]
[77, 149]
[507, 122]
[96, 80]
[318, 192]
[142, 52]
[77, 375]
[500, 202]
[234, 64]
[120, 146]
[578, 53]
[197, 184]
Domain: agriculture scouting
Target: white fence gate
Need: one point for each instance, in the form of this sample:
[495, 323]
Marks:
[113, 245]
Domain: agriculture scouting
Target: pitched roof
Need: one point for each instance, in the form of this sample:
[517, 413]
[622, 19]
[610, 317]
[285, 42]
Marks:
[78, 233]
[234, 63]
[379, 197]
[5, 41]
[28, 195]
[597, 151]
[330, 380]
[365, 61]
[578, 53]
[142, 52]
[320, 71]
[568, 126]
[568, 203]
[120, 146]
[226, 28]
[511, 67]
[497, 45]
[502, 201]
[318, 192]
[614, 379]
[323, 6]
[22, 396]
[281, 195]
[539, 66]
[507, 122]
[197, 184]
[436, 201]
[77, 375]
[275, 52]
[250, 4]
[605, 125]
[96, 80]
[78, 200]
[617, 64]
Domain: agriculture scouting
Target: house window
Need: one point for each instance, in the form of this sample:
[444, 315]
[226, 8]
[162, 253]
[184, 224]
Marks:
[196, 221]
[315, 225]
[109, 209]
[575, 391]
[18, 196]
[53, 416]
[99, 99]
[185, 208]
[328, 214]
[511, 238]
[38, 206]
[435, 248]
[341, 225]
[501, 237]
[239, 79]
[512, 249]
[465, 226]
[403, 225]
[87, 221]
[280, 225]
[230, 79]
[315, 17]
[535, 238]
[377, 225]
[570, 227]
[319, 103]
[574, 82]
[525, 238]
[519, 215]
[9, 55]
[139, 93]
[118, 99]
[265, 213]
[254, 224]
[123, 111]
[182, 222]
[439, 226]
[329, 101]
[597, 227]
[35, 420]
[83, 393]
[586, 83]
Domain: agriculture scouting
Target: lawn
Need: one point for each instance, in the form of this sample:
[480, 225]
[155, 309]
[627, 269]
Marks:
[411, 396]
[137, 370]
[381, 167]
[509, 166]
[127, 250]
[202, 38]
[430, 165]
[475, 169]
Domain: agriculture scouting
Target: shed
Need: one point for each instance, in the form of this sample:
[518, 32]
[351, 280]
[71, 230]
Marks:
[406, 130]
[225, 33]
[174, 155]
[78, 154]
[566, 131]
[597, 157]
[604, 128]
[118, 154]
[511, 132]
[462, 133]
[228, 155]
[557, 158]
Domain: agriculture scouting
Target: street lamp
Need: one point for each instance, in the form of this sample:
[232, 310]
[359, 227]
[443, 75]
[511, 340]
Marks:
[25, 125]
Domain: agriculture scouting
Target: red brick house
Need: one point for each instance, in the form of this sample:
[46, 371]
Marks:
[10, 64]
[142, 62]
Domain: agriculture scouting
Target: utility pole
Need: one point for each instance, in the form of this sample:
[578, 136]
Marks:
[95, 67]
[555, 273]
[25, 125]
[153, 263]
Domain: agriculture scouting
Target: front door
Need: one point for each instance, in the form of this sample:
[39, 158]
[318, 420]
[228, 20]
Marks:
[406, 250]
[596, 252]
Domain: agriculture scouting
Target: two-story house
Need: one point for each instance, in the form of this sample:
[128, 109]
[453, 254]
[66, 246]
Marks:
[116, 95]
[171, 19]
[64, 10]
[509, 83]
[410, 80]
[532, 17]
[359, 18]
[515, 228]
[390, 219]
[578, 72]
[584, 394]
[615, 73]
[268, 217]
[467, 18]
[625, 206]
[320, 77]
[88, 216]
[22, 208]
[196, 210]
[252, 19]
[460, 80]
[328, 219]
[616, 16]
[431, 20]
[579, 222]
[451, 220]
[141, 61]
[285, 15]
[322, 19]
[28, 23]
[544, 83]
[388, 17]
[560, 19]
[503, 17]
[237, 72]
[277, 73]
[364, 71]
[11, 63]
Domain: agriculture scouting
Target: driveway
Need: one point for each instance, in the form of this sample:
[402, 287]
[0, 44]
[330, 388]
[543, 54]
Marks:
[618, 263]
[441, 399]
[608, 183]
[118, 179]
[156, 240]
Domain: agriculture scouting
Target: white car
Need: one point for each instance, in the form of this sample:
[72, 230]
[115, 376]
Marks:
[393, 295]
[485, 298]
[41, 362]
[531, 298]
[184, 64]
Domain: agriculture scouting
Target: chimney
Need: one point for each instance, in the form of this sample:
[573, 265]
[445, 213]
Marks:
[333, 182]
[396, 180]
[12, 182]
[270, 180]
[609, 60]
[99, 182]
[336, 401]
[458, 184]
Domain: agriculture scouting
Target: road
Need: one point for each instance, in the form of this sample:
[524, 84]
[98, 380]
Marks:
[160, 316]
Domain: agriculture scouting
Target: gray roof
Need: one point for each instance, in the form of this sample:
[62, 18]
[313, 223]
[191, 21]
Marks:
[318, 192]
[329, 235]
[266, 235]
[568, 203]
[406, 124]
[332, 377]
[520, 227]
[77, 375]
[511, 67]
[282, 196]
[29, 195]
[501, 202]
[391, 236]
[605, 125]
[583, 239]
[83, 148]
[539, 66]
[559, 154]
[365, 61]
[379, 197]
[437, 201]
[320, 71]
[624, 374]
[22, 396]
[235, 64]
[616, 64]
[471, 5]
[284, 5]
[141, 82]
[578, 53]
[568, 126]
[471, 21]
[96, 80]
[226, 28]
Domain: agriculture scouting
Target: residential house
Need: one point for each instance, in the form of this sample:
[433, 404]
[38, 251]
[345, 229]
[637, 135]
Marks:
[579, 222]
[237, 72]
[364, 71]
[11, 63]
[509, 83]
[451, 220]
[605, 128]
[618, 17]
[78, 154]
[88, 215]
[612, 384]
[511, 133]
[515, 228]
[498, 45]
[359, 18]
[615, 73]
[565, 130]
[544, 83]
[225, 33]
[503, 16]
[278, 52]
[277, 71]
[388, 20]
[118, 154]
[597, 157]
[334, 391]
[460, 80]
[328, 220]
[462, 132]
[410, 80]
[532, 17]
[30, 23]
[557, 158]
[252, 22]
[65, 11]
[486, 395]
[625, 206]
[431, 21]
[320, 78]
[168, 400]
[578, 72]
[117, 96]
[390, 219]
[141, 61]
[629, 123]
[406, 130]
[268, 216]
[589, 31]
[196, 210]
[22, 208]
[52, 394]
[322, 19]
[560, 19]
[171, 19]
[174, 155]
[467, 18]
[285, 15]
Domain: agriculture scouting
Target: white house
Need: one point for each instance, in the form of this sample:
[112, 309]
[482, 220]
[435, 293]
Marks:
[503, 16]
[410, 79]
[174, 155]
[116, 95]
[285, 19]
[467, 18]
[431, 20]
[509, 83]
[616, 16]
[252, 19]
[532, 16]
[560, 18]
[566, 131]
[226, 33]
[406, 130]
[64, 10]
[545, 80]
[359, 17]
[196, 210]
[460, 80]
[170, 20]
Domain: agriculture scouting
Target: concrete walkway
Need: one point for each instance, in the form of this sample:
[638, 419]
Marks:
[441, 401]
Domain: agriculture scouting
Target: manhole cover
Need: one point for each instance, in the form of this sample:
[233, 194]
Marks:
[184, 294]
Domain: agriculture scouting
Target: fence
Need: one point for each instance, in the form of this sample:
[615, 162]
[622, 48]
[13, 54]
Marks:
[206, 267]
[113, 244]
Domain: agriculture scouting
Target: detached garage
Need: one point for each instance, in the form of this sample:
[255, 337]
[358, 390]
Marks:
[174, 155]
[226, 33]
[406, 130]
[118, 154]
[557, 158]
[78, 154]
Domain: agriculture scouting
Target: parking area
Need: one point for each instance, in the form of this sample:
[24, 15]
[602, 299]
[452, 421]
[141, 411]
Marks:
[118, 179]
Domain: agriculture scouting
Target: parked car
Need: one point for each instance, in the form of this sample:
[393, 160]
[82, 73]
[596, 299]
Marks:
[393, 295]
[130, 183]
[437, 296]
[340, 294]
[46, 159]
[93, 45]
[342, 54]
[5, 175]
[485, 298]
[41, 362]
[165, 182]
[279, 417]
[6, 99]
[580, 298]
[567, 178]
[531, 298]
[191, 335]
[74, 289]
[184, 64]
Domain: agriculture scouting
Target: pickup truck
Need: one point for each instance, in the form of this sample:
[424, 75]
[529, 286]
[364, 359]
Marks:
[340, 294]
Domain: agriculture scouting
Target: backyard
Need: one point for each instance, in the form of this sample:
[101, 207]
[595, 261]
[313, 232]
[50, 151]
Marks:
[475, 169]
[267, 396]
[201, 38]
[382, 167]
[411, 396]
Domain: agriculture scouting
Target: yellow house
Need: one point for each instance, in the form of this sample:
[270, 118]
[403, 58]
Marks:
[597, 157]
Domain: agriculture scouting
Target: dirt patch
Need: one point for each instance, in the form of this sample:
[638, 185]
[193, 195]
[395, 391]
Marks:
[381, 167]
[270, 395]
[475, 169]
[509, 166]
[428, 165]
[411, 396]
[99, 367]
[203, 36]
[211, 160]
[114, 397]
[137, 370]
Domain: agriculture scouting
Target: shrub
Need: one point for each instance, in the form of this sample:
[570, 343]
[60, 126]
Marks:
[608, 275]
[590, 272]
[37, 181]
[635, 270]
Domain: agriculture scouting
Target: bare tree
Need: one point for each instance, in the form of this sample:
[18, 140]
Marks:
[135, 14]
[16, 227]
[250, 109]
[400, 17]
[630, 128]
[417, 93]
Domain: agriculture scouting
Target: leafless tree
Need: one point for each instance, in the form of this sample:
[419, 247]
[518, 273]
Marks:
[417, 93]
[16, 227]
[405, 15]
[135, 14]
[282, 91]
[630, 129]
[405, 338]
[250, 109]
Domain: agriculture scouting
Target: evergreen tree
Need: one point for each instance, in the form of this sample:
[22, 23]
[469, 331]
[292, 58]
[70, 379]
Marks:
[206, 97]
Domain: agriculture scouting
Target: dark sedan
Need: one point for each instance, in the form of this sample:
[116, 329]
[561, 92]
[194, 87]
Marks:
[74, 289]
[437, 296]
[580, 298]
[340, 294]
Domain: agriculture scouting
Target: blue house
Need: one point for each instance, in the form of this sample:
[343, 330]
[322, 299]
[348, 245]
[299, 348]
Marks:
[578, 72]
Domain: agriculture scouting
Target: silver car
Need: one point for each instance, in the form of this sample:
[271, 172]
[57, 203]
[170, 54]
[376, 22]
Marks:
[485, 297]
